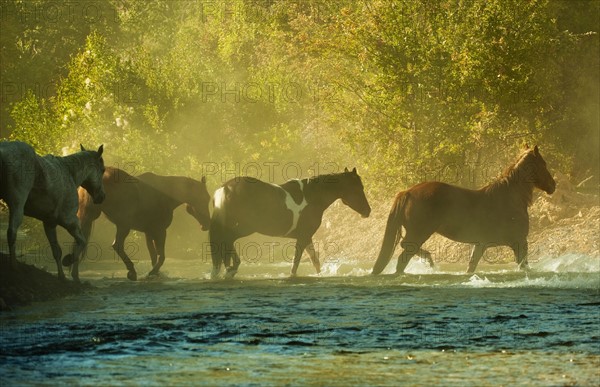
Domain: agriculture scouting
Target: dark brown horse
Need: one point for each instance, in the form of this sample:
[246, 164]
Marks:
[495, 215]
[245, 205]
[144, 203]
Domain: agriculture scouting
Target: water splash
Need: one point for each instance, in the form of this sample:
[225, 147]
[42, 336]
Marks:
[568, 263]
[478, 282]
[419, 266]
[331, 267]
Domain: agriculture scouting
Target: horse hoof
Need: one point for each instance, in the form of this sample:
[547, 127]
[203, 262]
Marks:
[230, 273]
[132, 275]
[68, 260]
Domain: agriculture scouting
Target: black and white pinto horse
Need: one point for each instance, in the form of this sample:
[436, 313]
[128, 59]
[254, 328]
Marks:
[45, 188]
[245, 205]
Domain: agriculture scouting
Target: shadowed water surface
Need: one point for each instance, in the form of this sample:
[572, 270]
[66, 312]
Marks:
[437, 327]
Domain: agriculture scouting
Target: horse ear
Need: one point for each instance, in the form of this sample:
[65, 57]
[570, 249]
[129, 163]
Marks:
[82, 148]
[354, 171]
[526, 146]
[536, 151]
[345, 169]
[100, 150]
[203, 180]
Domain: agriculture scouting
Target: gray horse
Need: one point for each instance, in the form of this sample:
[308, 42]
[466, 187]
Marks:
[45, 188]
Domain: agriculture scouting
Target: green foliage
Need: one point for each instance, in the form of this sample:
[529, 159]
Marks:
[38, 37]
[450, 82]
[409, 90]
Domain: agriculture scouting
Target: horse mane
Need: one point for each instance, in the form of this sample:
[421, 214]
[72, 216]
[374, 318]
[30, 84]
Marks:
[172, 186]
[515, 178]
[322, 183]
[320, 178]
[73, 162]
[325, 178]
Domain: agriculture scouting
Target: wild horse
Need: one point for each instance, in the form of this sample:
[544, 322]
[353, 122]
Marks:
[245, 205]
[144, 203]
[495, 215]
[45, 188]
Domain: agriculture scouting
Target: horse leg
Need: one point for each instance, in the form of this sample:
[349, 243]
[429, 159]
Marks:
[409, 249]
[476, 255]
[50, 230]
[86, 230]
[119, 247]
[411, 245]
[300, 246]
[426, 255]
[15, 218]
[231, 252]
[404, 258]
[159, 238]
[218, 236]
[80, 243]
[151, 249]
[520, 250]
[314, 256]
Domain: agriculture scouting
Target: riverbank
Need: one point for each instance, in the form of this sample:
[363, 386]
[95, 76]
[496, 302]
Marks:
[30, 284]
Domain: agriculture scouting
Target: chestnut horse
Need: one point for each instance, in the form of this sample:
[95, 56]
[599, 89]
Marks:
[495, 215]
[245, 205]
[144, 203]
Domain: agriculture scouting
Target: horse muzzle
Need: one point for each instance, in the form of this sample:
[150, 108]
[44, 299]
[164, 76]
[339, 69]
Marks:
[550, 188]
[99, 198]
[204, 224]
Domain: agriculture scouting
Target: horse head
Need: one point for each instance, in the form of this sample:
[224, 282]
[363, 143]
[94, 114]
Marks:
[198, 205]
[353, 193]
[538, 170]
[93, 181]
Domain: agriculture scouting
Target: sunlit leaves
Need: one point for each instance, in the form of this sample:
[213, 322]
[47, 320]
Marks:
[407, 85]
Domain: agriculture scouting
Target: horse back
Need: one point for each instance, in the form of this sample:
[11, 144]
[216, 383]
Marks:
[133, 203]
[294, 188]
[258, 192]
[442, 196]
[463, 214]
[256, 206]
[173, 190]
[51, 175]
[18, 168]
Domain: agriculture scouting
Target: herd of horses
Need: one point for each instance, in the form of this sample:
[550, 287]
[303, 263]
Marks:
[73, 191]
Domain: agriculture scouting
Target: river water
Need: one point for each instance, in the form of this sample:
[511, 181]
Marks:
[429, 327]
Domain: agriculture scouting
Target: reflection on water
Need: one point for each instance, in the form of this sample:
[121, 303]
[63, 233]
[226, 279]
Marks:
[494, 328]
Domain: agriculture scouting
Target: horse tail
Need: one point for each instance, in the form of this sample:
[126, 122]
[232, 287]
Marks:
[393, 232]
[216, 232]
